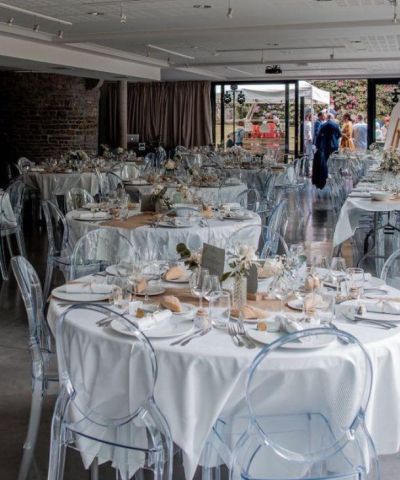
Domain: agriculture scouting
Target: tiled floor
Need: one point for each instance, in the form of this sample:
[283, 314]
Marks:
[15, 362]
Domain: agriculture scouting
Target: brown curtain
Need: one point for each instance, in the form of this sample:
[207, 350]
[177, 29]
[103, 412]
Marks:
[108, 115]
[176, 113]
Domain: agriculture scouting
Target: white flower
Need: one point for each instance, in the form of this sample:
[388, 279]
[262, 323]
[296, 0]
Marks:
[195, 257]
[170, 165]
[120, 150]
[158, 189]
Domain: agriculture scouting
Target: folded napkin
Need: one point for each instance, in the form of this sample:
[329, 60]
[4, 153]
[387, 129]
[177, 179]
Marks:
[289, 325]
[230, 206]
[383, 306]
[92, 215]
[149, 321]
[360, 194]
[99, 288]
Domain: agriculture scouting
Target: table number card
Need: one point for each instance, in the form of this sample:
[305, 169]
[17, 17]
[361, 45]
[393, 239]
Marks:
[213, 258]
[252, 280]
[147, 203]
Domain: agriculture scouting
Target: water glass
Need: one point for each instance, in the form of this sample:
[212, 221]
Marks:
[355, 282]
[325, 306]
[219, 309]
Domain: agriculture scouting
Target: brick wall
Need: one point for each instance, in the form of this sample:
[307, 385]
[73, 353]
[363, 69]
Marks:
[44, 115]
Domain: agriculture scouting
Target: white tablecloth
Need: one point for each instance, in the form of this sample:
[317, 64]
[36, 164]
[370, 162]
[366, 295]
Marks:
[226, 194]
[351, 212]
[218, 232]
[253, 178]
[206, 379]
[51, 184]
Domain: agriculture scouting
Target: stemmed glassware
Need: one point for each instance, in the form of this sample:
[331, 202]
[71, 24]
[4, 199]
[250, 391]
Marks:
[215, 286]
[338, 270]
[219, 308]
[200, 284]
[355, 282]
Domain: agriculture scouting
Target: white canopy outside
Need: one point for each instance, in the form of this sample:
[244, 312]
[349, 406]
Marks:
[276, 93]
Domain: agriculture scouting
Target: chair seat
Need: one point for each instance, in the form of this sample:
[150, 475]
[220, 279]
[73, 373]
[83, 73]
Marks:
[64, 260]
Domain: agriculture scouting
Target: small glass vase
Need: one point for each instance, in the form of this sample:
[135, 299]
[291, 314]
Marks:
[239, 293]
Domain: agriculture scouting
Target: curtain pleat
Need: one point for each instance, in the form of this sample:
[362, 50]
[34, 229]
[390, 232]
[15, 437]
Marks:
[177, 113]
[108, 115]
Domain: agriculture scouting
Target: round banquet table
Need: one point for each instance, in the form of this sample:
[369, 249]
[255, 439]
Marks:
[50, 184]
[204, 380]
[226, 194]
[142, 235]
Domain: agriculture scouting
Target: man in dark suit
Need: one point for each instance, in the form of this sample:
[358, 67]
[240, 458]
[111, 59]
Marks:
[326, 143]
[318, 124]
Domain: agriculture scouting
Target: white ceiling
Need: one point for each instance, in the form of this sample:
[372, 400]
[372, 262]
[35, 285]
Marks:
[308, 38]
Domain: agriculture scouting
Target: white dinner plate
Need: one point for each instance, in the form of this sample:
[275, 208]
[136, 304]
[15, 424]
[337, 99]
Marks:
[152, 290]
[88, 217]
[170, 328]
[179, 224]
[183, 279]
[268, 337]
[295, 304]
[61, 294]
[89, 206]
[348, 310]
[188, 311]
[118, 271]
[235, 216]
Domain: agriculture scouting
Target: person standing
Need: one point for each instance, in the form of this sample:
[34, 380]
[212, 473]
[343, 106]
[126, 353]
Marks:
[347, 133]
[240, 132]
[321, 117]
[360, 133]
[308, 136]
[326, 143]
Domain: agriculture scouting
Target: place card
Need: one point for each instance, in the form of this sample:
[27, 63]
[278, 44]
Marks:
[213, 258]
[252, 280]
[147, 202]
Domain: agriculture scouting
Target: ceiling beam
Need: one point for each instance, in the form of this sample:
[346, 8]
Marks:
[236, 30]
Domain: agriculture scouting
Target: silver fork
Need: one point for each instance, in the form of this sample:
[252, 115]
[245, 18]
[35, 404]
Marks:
[243, 335]
[235, 337]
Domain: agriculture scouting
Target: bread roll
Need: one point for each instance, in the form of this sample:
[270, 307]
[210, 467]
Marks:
[141, 286]
[174, 273]
[171, 303]
[249, 313]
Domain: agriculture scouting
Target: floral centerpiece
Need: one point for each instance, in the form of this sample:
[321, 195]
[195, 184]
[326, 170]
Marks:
[191, 259]
[240, 263]
[391, 161]
[160, 198]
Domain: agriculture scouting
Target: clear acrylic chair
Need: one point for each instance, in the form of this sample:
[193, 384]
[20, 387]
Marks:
[391, 270]
[121, 425]
[278, 219]
[11, 221]
[249, 199]
[273, 243]
[24, 165]
[243, 236]
[98, 249]
[76, 198]
[319, 434]
[44, 365]
[59, 249]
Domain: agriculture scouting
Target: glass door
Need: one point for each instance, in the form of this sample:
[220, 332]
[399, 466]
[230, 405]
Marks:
[257, 116]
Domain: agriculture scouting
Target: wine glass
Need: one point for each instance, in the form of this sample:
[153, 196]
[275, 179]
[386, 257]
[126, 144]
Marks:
[215, 286]
[219, 309]
[200, 284]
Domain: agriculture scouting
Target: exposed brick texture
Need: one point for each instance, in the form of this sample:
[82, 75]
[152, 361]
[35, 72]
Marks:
[45, 115]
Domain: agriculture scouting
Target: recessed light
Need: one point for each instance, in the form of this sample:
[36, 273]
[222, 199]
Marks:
[202, 5]
[96, 14]
[355, 41]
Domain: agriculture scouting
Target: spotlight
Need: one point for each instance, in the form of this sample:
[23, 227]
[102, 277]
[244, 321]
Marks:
[10, 21]
[229, 14]
[60, 34]
[124, 18]
[36, 27]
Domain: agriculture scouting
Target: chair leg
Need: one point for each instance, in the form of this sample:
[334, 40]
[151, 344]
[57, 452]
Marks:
[21, 243]
[3, 268]
[58, 450]
[33, 429]
[47, 282]
[94, 470]
[9, 245]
